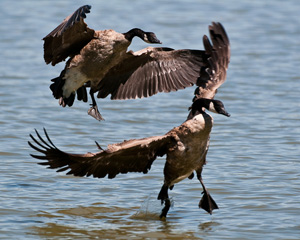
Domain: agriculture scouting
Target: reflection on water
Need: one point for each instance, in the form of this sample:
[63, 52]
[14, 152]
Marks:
[139, 227]
[253, 163]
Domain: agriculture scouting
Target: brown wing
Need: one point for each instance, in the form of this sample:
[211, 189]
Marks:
[68, 38]
[152, 70]
[134, 155]
[218, 57]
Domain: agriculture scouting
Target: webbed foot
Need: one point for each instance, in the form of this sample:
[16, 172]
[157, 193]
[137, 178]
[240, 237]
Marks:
[94, 112]
[207, 203]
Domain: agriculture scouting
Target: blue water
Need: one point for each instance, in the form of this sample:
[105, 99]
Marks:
[253, 162]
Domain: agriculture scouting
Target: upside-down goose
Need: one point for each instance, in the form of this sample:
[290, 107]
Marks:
[185, 146]
[99, 60]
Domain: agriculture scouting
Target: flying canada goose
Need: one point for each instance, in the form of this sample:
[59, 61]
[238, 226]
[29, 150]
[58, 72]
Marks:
[100, 60]
[186, 147]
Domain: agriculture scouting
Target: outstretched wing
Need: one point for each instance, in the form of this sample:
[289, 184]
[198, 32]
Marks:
[218, 57]
[152, 70]
[134, 155]
[68, 38]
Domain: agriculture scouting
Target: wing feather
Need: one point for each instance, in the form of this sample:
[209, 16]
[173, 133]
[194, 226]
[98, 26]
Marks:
[68, 38]
[152, 70]
[136, 155]
[218, 58]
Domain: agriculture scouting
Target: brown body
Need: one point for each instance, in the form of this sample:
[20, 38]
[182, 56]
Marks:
[192, 141]
[94, 60]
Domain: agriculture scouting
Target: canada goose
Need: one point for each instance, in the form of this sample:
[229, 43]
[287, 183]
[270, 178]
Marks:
[100, 60]
[185, 146]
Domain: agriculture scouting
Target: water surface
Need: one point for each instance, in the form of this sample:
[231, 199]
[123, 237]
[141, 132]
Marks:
[252, 166]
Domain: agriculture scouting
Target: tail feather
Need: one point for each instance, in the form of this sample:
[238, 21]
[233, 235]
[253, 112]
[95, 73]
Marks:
[82, 94]
[57, 91]
[56, 86]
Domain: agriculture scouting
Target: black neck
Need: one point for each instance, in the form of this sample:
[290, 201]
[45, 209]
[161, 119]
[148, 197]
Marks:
[135, 32]
[197, 107]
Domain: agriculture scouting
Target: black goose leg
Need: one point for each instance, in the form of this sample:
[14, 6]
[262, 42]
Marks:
[206, 202]
[164, 197]
[93, 111]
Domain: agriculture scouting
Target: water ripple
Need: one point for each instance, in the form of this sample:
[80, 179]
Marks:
[253, 163]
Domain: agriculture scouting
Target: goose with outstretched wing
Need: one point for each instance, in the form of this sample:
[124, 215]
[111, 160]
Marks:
[185, 146]
[99, 60]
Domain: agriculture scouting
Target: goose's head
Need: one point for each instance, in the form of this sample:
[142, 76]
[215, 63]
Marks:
[148, 37]
[212, 105]
[217, 106]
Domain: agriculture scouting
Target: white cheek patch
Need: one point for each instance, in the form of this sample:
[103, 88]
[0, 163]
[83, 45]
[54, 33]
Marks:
[212, 107]
[146, 38]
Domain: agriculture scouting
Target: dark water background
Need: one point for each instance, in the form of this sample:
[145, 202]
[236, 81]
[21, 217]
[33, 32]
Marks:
[253, 161]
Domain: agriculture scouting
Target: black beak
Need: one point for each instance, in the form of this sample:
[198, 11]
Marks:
[155, 40]
[225, 113]
[152, 38]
